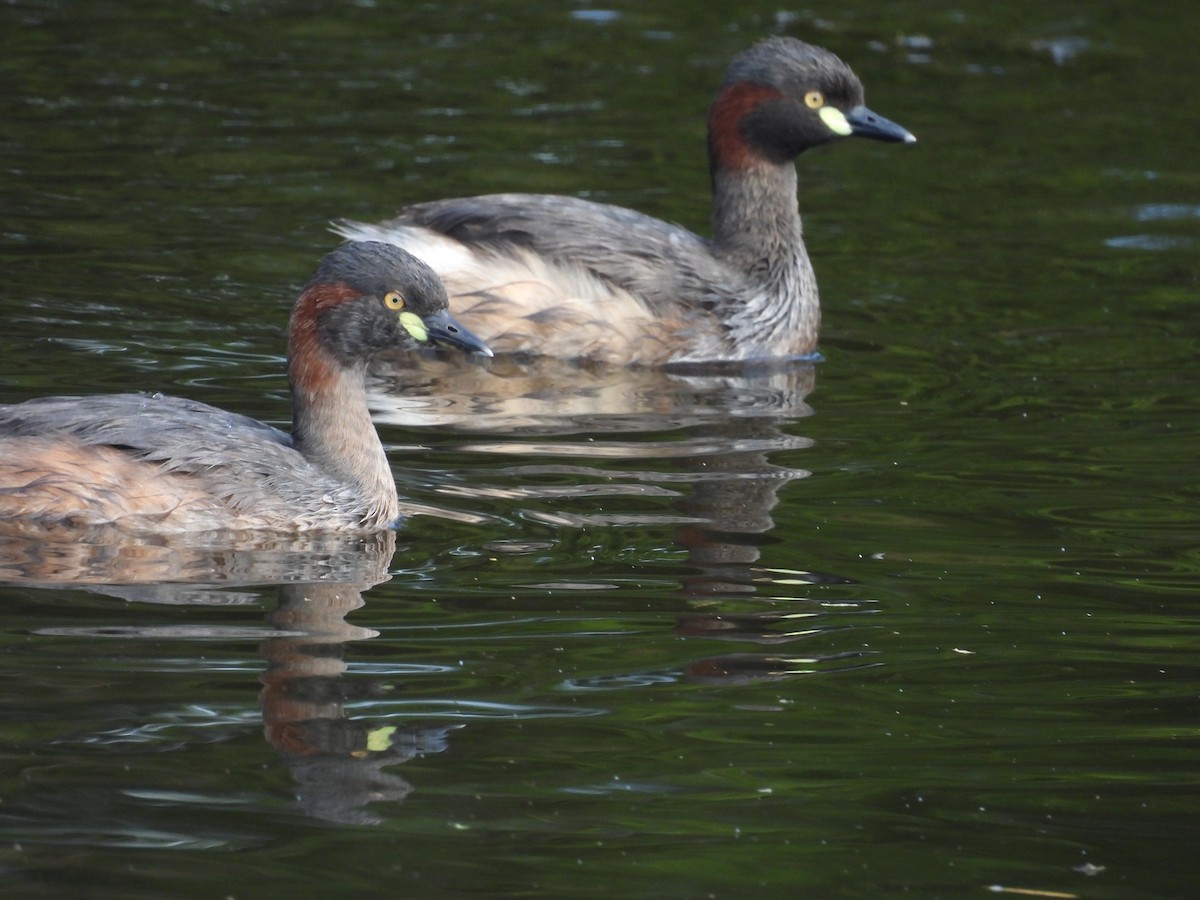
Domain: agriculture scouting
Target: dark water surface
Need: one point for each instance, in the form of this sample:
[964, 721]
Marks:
[918, 620]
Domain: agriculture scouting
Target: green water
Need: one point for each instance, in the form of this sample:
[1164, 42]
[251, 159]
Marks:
[919, 620]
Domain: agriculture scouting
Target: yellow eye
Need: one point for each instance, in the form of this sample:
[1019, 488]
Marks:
[393, 300]
[814, 99]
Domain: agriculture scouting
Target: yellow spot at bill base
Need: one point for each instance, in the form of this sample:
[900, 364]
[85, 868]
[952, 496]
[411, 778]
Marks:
[835, 119]
[380, 739]
[413, 325]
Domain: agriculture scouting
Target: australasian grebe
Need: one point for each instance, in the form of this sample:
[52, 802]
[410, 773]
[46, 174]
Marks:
[151, 463]
[558, 276]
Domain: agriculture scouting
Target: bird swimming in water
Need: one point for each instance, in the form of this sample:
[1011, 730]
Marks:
[558, 276]
[149, 463]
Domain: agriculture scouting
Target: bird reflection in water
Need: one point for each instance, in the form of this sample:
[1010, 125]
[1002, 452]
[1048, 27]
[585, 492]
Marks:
[337, 762]
[723, 426]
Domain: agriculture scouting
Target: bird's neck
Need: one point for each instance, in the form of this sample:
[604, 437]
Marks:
[757, 231]
[332, 428]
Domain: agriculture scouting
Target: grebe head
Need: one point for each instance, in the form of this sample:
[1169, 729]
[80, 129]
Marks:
[366, 297]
